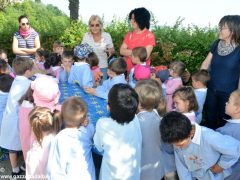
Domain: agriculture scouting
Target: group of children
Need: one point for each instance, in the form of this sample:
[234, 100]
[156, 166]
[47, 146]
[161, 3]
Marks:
[152, 130]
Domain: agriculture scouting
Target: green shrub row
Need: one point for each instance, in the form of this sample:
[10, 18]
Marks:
[188, 44]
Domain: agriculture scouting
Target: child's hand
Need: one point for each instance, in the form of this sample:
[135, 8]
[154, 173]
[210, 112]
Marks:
[85, 122]
[90, 90]
[216, 169]
[66, 68]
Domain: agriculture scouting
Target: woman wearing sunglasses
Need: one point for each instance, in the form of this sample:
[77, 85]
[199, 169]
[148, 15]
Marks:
[100, 41]
[26, 39]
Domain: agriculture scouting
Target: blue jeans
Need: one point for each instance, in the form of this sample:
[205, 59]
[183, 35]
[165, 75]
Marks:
[215, 108]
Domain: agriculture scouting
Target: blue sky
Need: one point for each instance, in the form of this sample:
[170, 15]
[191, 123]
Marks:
[199, 12]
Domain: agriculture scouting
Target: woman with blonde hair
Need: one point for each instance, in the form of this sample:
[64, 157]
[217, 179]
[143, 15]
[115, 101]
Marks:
[100, 41]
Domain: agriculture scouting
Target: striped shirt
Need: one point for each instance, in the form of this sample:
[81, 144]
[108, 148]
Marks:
[28, 42]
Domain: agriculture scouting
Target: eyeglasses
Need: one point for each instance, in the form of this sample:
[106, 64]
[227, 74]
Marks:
[25, 24]
[95, 25]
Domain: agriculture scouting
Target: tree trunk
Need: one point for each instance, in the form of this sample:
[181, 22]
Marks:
[74, 7]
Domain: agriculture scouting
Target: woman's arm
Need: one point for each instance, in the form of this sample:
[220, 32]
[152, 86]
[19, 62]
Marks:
[207, 61]
[124, 50]
[149, 49]
[33, 50]
[16, 49]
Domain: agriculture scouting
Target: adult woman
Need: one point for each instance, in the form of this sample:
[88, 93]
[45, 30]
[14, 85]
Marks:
[141, 36]
[26, 40]
[100, 41]
[223, 63]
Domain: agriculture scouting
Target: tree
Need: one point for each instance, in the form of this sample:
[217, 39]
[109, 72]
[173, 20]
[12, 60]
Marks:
[38, 1]
[74, 7]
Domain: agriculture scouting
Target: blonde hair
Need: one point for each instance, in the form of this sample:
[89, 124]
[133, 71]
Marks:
[202, 76]
[43, 120]
[236, 95]
[150, 95]
[74, 112]
[186, 93]
[95, 18]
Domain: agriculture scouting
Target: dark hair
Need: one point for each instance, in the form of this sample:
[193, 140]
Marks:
[53, 60]
[118, 65]
[74, 111]
[21, 65]
[21, 17]
[186, 93]
[233, 23]
[58, 43]
[141, 16]
[28, 96]
[123, 103]
[92, 59]
[202, 76]
[175, 127]
[42, 53]
[5, 82]
[3, 65]
[3, 51]
[150, 95]
[140, 52]
[67, 54]
[43, 120]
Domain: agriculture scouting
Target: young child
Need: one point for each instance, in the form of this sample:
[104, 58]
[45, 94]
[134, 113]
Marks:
[67, 61]
[186, 102]
[155, 162]
[119, 136]
[52, 64]
[45, 124]
[3, 56]
[96, 71]
[232, 127]
[116, 69]
[44, 92]
[80, 72]
[9, 138]
[40, 58]
[176, 70]
[58, 48]
[5, 84]
[199, 83]
[141, 70]
[70, 155]
[200, 153]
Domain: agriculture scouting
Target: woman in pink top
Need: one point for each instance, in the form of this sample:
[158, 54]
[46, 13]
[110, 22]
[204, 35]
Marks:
[45, 125]
[44, 92]
[141, 36]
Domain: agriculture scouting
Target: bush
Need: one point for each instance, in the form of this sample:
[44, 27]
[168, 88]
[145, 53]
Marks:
[48, 21]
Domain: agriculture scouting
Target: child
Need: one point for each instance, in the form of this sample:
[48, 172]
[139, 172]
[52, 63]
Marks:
[200, 152]
[154, 163]
[52, 64]
[232, 127]
[97, 74]
[199, 83]
[119, 137]
[67, 61]
[9, 138]
[116, 69]
[3, 56]
[176, 70]
[70, 155]
[80, 72]
[186, 102]
[5, 84]
[45, 124]
[40, 58]
[44, 92]
[58, 48]
[139, 58]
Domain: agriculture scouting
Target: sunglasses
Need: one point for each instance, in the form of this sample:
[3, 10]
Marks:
[95, 25]
[23, 24]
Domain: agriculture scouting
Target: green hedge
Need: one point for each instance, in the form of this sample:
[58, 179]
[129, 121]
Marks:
[188, 44]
